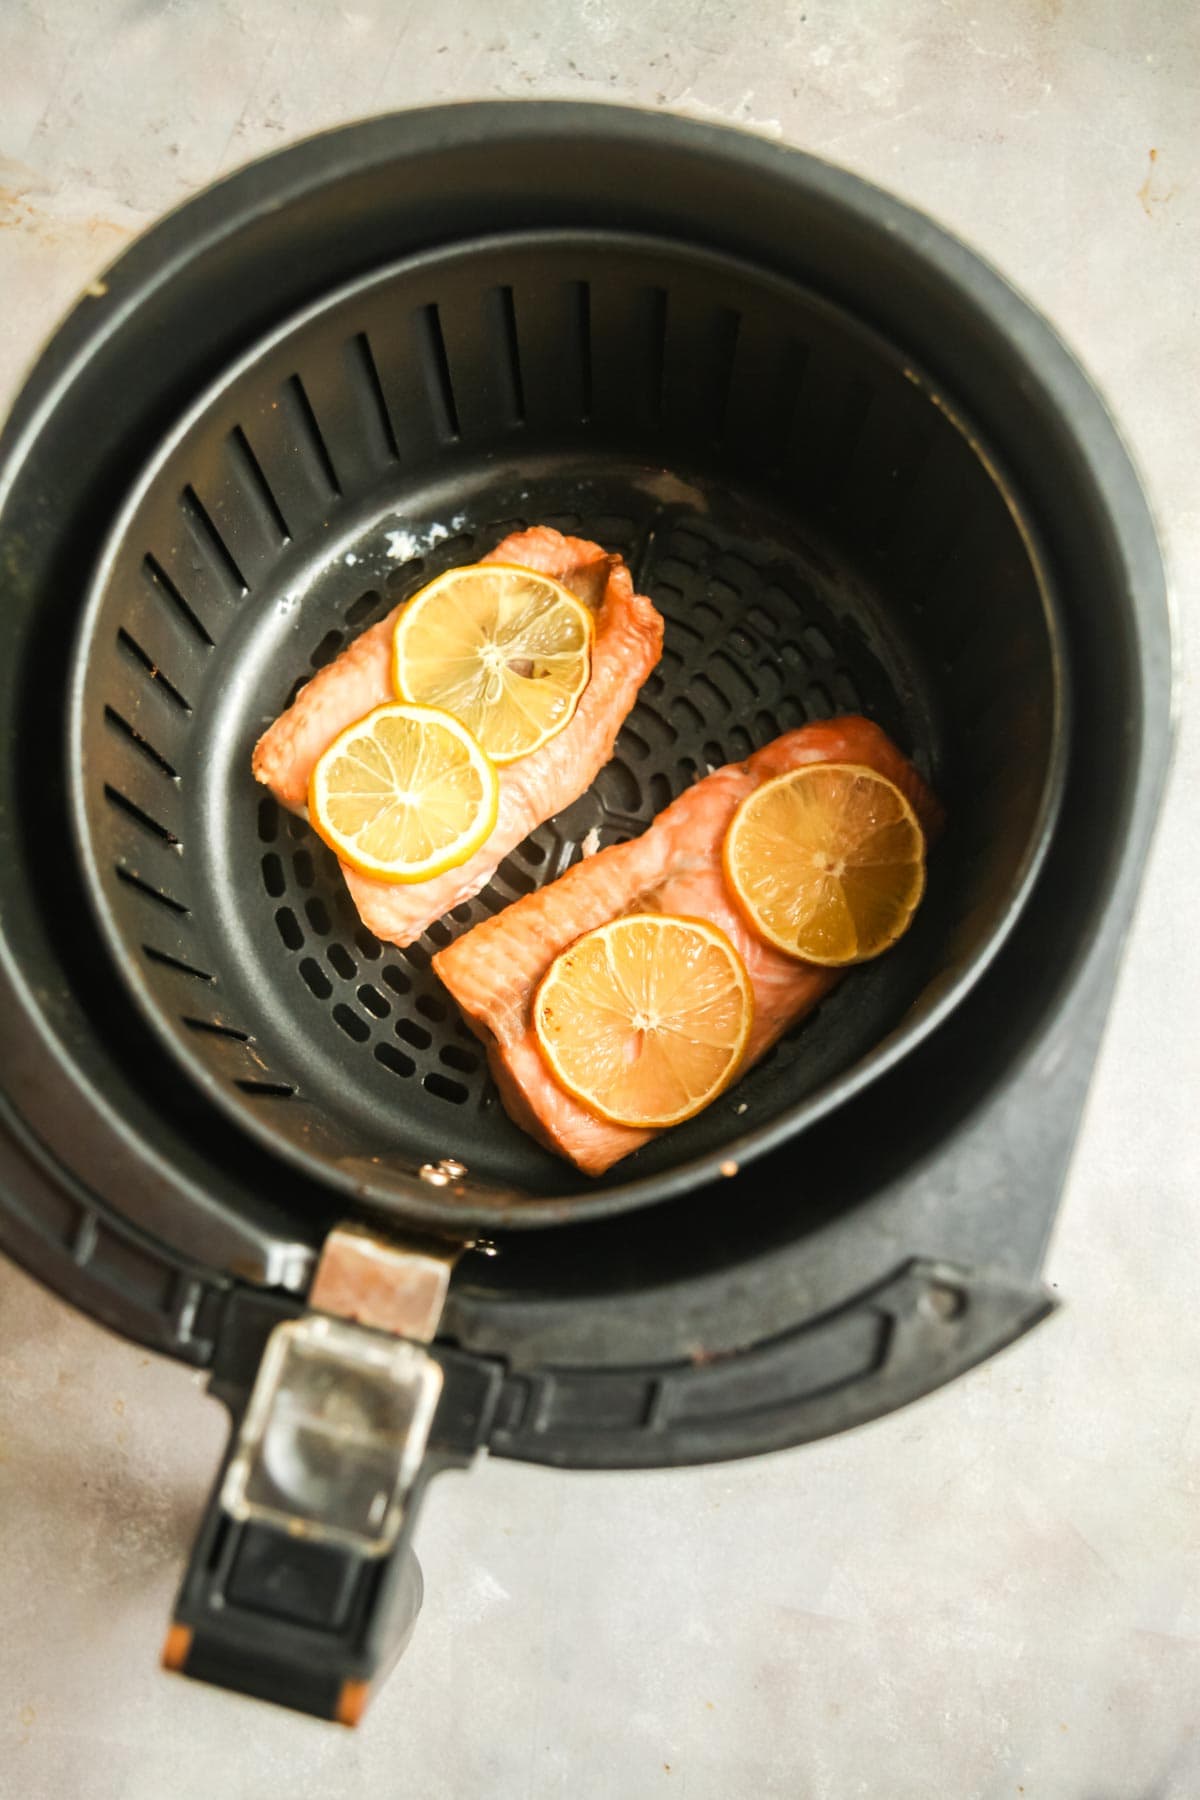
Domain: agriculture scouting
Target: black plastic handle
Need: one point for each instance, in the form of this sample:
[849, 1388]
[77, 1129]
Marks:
[307, 1624]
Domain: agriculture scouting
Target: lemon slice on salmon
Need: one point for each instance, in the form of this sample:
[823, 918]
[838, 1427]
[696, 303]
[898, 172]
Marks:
[404, 794]
[645, 1020]
[505, 649]
[827, 862]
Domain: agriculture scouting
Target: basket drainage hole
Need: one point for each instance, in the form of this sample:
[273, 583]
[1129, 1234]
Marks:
[215, 1028]
[660, 790]
[318, 915]
[315, 978]
[274, 879]
[302, 863]
[351, 1024]
[341, 960]
[374, 1001]
[404, 576]
[432, 1007]
[515, 876]
[444, 1088]
[394, 1059]
[326, 650]
[290, 929]
[361, 609]
[455, 1057]
[268, 821]
[413, 1034]
[396, 979]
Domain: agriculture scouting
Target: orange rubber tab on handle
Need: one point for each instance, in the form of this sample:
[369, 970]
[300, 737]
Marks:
[175, 1650]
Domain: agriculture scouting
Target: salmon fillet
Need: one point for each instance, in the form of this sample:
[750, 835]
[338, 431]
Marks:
[626, 646]
[675, 867]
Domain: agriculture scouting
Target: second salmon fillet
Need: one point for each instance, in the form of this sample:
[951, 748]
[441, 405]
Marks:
[674, 867]
[626, 646]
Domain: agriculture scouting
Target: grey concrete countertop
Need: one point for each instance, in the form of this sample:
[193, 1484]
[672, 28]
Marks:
[995, 1593]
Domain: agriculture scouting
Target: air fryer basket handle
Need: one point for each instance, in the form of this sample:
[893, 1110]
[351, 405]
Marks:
[310, 1621]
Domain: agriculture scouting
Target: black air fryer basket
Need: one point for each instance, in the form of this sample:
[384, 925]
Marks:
[856, 473]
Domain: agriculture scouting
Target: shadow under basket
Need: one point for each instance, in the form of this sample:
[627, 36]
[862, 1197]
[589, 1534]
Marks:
[823, 531]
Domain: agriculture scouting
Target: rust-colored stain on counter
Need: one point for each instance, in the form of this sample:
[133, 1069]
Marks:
[1154, 192]
[18, 213]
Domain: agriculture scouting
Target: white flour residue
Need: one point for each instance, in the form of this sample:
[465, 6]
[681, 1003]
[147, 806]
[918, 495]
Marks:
[404, 545]
[349, 559]
[591, 843]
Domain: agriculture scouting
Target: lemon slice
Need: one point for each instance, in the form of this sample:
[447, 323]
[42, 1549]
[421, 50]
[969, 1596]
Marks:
[506, 650]
[404, 794]
[827, 862]
[645, 1020]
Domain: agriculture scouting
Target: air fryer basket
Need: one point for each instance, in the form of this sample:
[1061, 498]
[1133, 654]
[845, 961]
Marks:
[821, 529]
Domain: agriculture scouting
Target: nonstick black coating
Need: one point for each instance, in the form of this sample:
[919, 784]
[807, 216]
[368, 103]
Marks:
[820, 531]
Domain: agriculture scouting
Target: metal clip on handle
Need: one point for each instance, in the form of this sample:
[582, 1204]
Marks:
[302, 1587]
